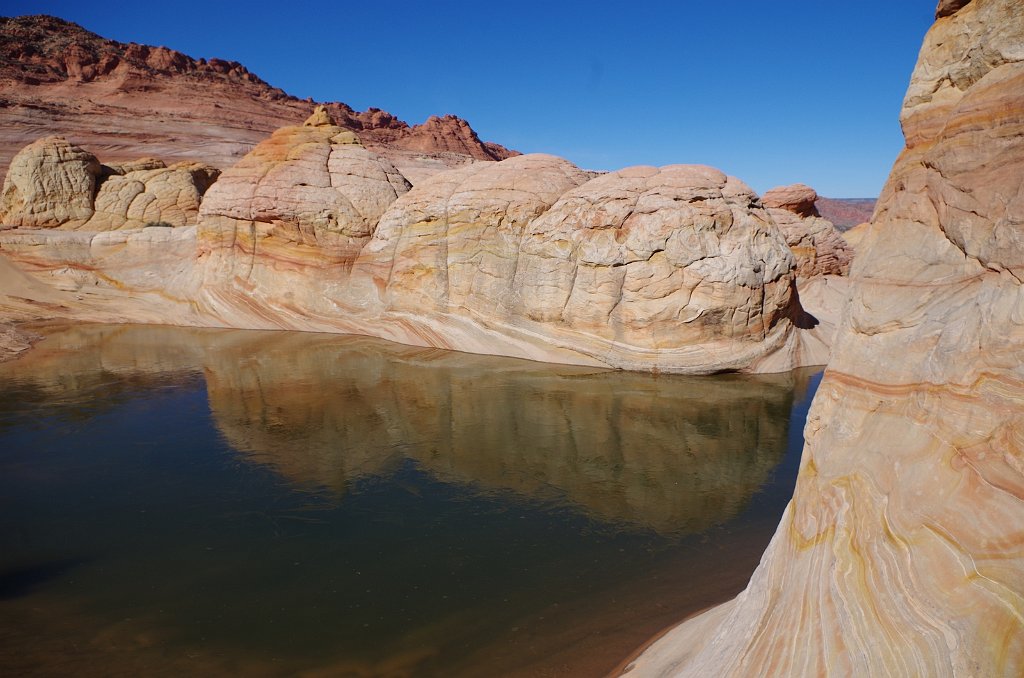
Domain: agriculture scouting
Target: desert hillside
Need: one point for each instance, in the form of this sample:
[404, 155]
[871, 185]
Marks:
[126, 100]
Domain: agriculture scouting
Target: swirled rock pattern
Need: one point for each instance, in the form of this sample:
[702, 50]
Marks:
[676, 269]
[452, 244]
[902, 552]
[308, 194]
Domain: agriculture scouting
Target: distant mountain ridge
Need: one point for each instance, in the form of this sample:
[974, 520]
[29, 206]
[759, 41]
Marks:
[846, 213]
[126, 100]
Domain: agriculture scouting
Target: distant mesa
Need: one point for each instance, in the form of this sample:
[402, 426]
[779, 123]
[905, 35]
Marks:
[125, 100]
[845, 213]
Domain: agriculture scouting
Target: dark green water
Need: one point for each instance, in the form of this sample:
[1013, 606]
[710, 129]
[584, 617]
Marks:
[211, 502]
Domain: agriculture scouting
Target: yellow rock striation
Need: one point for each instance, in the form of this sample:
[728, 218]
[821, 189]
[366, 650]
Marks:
[902, 552]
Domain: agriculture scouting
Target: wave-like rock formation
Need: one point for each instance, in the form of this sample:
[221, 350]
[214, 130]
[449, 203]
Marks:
[672, 269]
[902, 552]
[128, 100]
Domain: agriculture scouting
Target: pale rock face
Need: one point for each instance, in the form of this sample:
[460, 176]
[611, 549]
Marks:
[49, 183]
[903, 549]
[856, 235]
[121, 168]
[675, 269]
[309, 193]
[819, 248]
[656, 258]
[141, 194]
[452, 244]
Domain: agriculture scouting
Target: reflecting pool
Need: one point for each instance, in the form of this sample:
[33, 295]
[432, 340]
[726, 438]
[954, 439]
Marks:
[178, 501]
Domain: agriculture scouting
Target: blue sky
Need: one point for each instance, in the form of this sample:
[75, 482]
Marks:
[772, 92]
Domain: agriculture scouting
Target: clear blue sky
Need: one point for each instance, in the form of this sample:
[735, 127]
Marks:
[772, 92]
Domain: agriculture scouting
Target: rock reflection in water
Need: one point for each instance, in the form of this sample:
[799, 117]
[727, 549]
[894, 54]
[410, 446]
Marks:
[672, 454]
[222, 501]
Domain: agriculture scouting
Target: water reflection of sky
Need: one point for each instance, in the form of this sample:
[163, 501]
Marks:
[270, 502]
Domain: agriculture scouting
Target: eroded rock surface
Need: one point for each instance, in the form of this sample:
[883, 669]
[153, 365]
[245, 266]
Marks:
[818, 247]
[50, 182]
[901, 552]
[55, 184]
[796, 198]
[675, 269]
[151, 194]
[308, 195]
[452, 244]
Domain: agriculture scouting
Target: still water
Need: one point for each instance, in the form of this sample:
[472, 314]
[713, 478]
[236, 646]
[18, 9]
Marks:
[179, 501]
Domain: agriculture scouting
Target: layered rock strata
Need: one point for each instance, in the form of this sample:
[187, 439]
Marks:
[902, 551]
[310, 194]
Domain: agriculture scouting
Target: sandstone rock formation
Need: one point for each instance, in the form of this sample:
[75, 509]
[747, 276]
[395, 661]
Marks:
[672, 269]
[856, 235]
[817, 245]
[901, 550]
[133, 198]
[796, 198]
[53, 183]
[50, 182]
[452, 244]
[676, 269]
[125, 100]
[309, 195]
